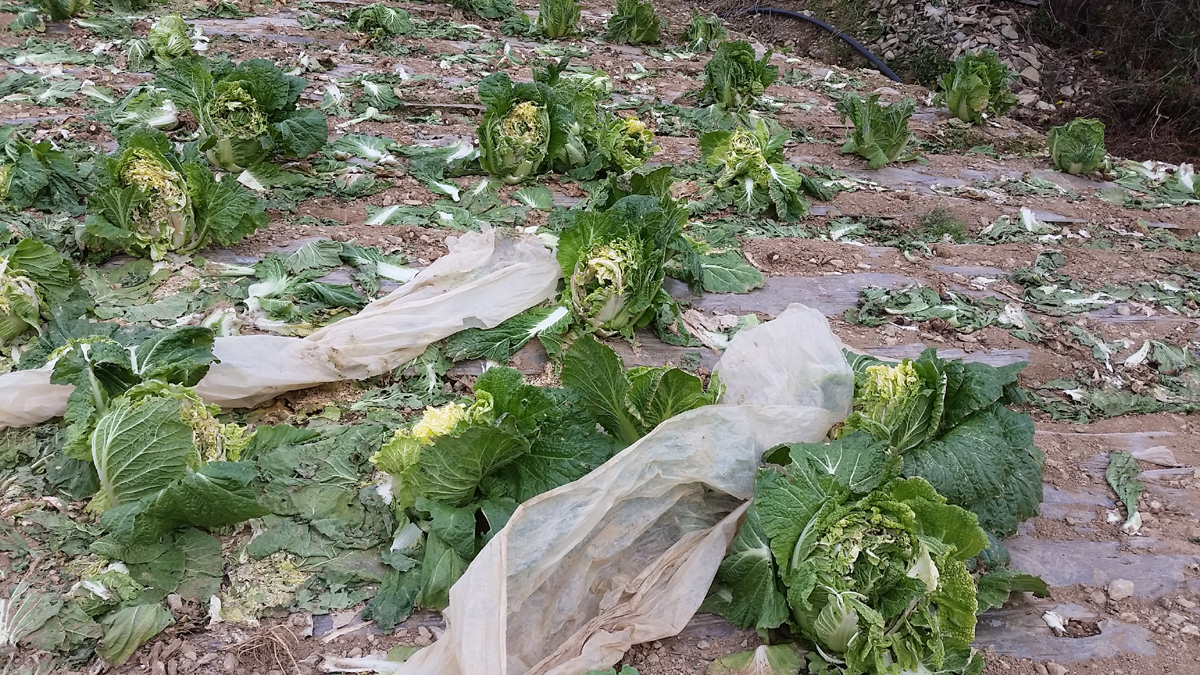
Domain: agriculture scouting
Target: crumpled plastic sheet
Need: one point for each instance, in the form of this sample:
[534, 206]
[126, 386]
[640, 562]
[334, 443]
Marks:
[626, 554]
[485, 278]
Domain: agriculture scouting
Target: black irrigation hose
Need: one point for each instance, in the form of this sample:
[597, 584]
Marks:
[817, 22]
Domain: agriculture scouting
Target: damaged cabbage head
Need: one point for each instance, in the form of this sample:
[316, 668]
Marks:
[628, 143]
[598, 286]
[399, 457]
[163, 220]
[238, 120]
[20, 308]
[256, 586]
[152, 202]
[514, 135]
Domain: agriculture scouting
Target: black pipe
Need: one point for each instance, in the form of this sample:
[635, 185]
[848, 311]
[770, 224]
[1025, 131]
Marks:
[817, 22]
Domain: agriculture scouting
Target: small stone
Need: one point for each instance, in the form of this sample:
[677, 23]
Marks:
[1185, 603]
[1176, 619]
[1042, 105]
[653, 658]
[424, 637]
[1156, 507]
[173, 667]
[1067, 91]
[1027, 99]
[1010, 32]
[1040, 668]
[657, 644]
[355, 653]
[703, 644]
[1120, 589]
[1097, 597]
[1190, 629]
[1031, 75]
[1054, 669]
[230, 663]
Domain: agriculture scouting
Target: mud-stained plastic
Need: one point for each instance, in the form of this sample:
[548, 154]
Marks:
[486, 277]
[627, 553]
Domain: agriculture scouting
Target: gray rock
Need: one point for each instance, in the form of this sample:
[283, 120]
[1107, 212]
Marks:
[1054, 669]
[1067, 91]
[1043, 105]
[1031, 75]
[1010, 33]
[1119, 589]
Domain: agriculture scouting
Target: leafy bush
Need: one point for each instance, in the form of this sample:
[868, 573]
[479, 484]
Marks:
[881, 133]
[704, 33]
[734, 79]
[977, 86]
[1077, 147]
[150, 202]
[246, 113]
[635, 23]
[753, 173]
[558, 18]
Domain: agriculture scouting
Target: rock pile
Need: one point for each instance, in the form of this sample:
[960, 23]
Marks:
[907, 30]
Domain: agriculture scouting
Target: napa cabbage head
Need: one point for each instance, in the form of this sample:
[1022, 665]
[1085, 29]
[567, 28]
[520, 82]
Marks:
[400, 456]
[874, 566]
[163, 219]
[514, 135]
[598, 285]
[628, 143]
[239, 124]
[1077, 147]
[20, 307]
[169, 37]
[894, 403]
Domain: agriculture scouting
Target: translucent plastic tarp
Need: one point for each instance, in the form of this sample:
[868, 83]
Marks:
[485, 278]
[626, 554]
